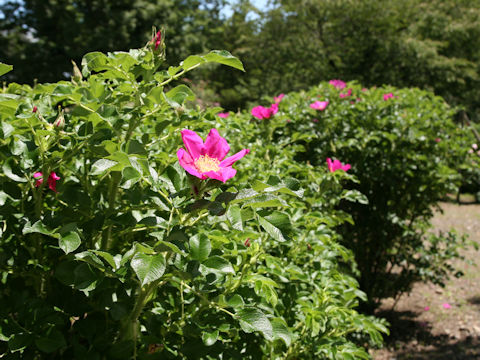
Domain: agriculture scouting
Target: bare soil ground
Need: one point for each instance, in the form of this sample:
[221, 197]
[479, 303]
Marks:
[421, 327]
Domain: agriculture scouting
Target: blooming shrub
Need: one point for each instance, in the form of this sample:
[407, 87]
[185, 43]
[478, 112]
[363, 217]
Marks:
[138, 253]
[401, 168]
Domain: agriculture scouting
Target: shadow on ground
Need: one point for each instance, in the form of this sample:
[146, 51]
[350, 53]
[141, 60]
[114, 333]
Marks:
[413, 339]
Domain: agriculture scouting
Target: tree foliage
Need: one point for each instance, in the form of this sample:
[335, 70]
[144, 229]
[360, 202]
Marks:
[41, 37]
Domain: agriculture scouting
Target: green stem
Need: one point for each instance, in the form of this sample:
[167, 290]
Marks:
[115, 178]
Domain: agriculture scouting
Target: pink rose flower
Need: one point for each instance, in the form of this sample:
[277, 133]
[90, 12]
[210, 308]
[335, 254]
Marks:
[223, 115]
[278, 98]
[319, 105]
[339, 84]
[207, 159]
[343, 95]
[261, 112]
[336, 165]
[388, 96]
[51, 181]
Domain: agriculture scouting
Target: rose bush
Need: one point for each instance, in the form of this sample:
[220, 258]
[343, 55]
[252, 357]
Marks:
[139, 246]
[405, 150]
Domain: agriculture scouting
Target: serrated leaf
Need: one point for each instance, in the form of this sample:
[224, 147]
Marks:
[225, 58]
[148, 267]
[102, 165]
[234, 215]
[200, 247]
[252, 319]
[275, 225]
[281, 331]
[219, 264]
[69, 242]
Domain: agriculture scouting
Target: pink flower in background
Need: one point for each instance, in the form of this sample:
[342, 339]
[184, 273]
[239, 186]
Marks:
[475, 146]
[426, 308]
[319, 105]
[343, 95]
[388, 96]
[446, 306]
[157, 39]
[364, 89]
[207, 159]
[337, 165]
[261, 112]
[278, 98]
[223, 115]
[315, 120]
[51, 181]
[339, 84]
[438, 140]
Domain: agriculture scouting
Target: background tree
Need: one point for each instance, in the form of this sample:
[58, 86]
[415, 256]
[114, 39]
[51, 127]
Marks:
[42, 36]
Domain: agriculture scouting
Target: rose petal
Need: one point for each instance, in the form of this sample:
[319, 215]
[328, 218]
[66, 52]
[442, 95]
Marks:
[193, 143]
[223, 174]
[187, 163]
[216, 146]
[231, 159]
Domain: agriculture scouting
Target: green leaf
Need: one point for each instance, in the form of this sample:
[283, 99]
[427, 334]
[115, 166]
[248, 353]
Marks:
[52, 342]
[252, 319]
[4, 68]
[281, 331]
[102, 165]
[234, 215]
[210, 338]
[107, 257]
[69, 242]
[225, 58]
[200, 247]
[236, 301]
[94, 61]
[264, 201]
[148, 267]
[219, 264]
[7, 170]
[38, 227]
[179, 94]
[277, 225]
[3, 197]
[191, 62]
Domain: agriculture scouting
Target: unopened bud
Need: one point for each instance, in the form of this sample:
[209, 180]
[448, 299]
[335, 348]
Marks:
[157, 39]
[34, 110]
[77, 74]
[247, 242]
[59, 123]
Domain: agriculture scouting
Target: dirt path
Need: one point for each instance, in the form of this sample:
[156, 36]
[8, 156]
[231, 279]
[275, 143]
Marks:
[440, 323]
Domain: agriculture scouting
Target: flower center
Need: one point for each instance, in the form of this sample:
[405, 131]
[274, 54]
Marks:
[205, 163]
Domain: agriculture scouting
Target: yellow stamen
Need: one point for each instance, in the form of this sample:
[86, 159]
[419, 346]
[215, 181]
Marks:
[205, 163]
